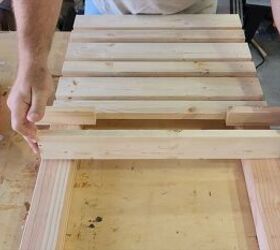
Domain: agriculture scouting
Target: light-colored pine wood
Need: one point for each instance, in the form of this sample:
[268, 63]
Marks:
[160, 205]
[46, 222]
[158, 52]
[45, 225]
[68, 116]
[263, 185]
[158, 36]
[159, 109]
[160, 144]
[179, 21]
[167, 69]
[159, 88]
[253, 116]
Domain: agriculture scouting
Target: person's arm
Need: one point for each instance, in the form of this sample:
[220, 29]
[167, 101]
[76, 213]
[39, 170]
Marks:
[36, 21]
[276, 12]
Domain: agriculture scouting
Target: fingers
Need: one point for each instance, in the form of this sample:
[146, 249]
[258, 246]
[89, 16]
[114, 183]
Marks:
[24, 127]
[27, 102]
[32, 144]
[38, 105]
[18, 118]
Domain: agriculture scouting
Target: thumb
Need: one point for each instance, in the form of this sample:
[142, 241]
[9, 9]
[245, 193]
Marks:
[38, 105]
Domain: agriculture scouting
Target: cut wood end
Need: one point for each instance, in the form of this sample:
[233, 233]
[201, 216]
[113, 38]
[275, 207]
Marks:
[68, 116]
[253, 116]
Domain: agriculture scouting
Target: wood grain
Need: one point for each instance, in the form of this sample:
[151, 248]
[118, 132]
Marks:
[263, 185]
[166, 69]
[253, 116]
[207, 110]
[159, 144]
[179, 21]
[44, 227]
[154, 52]
[162, 205]
[68, 116]
[159, 88]
[158, 36]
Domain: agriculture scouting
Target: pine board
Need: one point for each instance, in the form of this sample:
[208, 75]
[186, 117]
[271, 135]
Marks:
[263, 185]
[207, 110]
[180, 21]
[158, 52]
[159, 88]
[159, 144]
[158, 36]
[152, 69]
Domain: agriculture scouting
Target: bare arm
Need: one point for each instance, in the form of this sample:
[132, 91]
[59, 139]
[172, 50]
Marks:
[36, 20]
[276, 12]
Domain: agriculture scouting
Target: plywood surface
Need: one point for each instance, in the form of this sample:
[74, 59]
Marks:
[136, 205]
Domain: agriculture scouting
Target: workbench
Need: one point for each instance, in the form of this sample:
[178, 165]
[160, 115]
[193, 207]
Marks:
[134, 204]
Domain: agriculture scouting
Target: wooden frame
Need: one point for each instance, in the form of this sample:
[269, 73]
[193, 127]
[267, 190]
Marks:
[261, 176]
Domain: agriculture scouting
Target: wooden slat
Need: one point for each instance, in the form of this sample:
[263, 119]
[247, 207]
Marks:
[212, 110]
[159, 36]
[158, 52]
[160, 144]
[179, 21]
[159, 88]
[68, 116]
[45, 225]
[253, 116]
[167, 69]
[263, 185]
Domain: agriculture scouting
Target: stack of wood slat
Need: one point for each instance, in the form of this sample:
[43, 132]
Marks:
[148, 68]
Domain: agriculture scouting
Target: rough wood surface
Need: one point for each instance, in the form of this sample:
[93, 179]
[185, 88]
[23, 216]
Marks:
[68, 116]
[159, 88]
[167, 69]
[158, 36]
[159, 144]
[180, 21]
[159, 109]
[253, 116]
[50, 202]
[154, 52]
[263, 185]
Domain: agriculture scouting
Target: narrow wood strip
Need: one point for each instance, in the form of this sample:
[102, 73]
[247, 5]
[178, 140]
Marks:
[253, 116]
[68, 116]
[263, 185]
[210, 110]
[158, 36]
[167, 69]
[179, 21]
[158, 52]
[45, 225]
[159, 88]
[159, 109]
[160, 144]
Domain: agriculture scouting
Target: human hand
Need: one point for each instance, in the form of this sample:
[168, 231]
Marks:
[27, 101]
